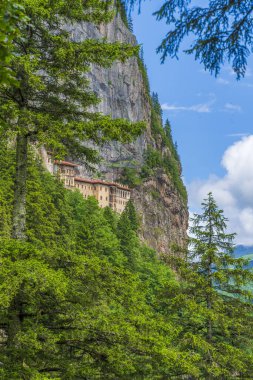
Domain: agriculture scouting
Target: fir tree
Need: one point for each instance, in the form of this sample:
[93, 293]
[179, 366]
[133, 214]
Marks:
[220, 291]
[11, 16]
[132, 215]
[71, 306]
[222, 31]
[126, 232]
[50, 105]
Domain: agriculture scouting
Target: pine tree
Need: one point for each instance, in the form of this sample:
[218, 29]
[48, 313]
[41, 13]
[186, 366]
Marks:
[71, 307]
[51, 103]
[132, 215]
[220, 290]
[126, 232]
[11, 15]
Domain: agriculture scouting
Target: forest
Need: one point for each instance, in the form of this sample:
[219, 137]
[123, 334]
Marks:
[82, 296]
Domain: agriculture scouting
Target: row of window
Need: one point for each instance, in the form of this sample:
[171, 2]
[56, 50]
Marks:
[68, 171]
[90, 187]
[85, 187]
[122, 193]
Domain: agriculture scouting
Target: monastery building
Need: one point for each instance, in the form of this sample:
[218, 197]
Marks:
[112, 194]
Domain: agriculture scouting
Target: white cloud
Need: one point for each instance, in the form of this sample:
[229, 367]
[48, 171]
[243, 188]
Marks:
[234, 191]
[200, 108]
[205, 107]
[232, 107]
[222, 81]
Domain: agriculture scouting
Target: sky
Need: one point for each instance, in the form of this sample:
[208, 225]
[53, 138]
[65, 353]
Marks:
[211, 121]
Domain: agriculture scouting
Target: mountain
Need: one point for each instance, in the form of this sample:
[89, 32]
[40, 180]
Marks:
[150, 165]
[245, 252]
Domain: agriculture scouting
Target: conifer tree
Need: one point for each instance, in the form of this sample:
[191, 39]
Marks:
[127, 235]
[11, 14]
[132, 215]
[220, 290]
[51, 103]
[111, 218]
[70, 305]
[221, 31]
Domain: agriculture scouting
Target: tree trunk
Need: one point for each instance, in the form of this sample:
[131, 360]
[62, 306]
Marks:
[19, 206]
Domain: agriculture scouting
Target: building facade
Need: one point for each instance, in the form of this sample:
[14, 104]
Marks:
[108, 194]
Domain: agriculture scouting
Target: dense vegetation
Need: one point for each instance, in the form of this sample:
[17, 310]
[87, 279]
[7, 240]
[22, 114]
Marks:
[155, 159]
[51, 99]
[82, 298]
[166, 157]
[162, 156]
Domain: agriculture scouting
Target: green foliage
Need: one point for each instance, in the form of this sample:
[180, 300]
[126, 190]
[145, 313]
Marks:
[52, 100]
[221, 31]
[132, 215]
[125, 17]
[11, 17]
[219, 291]
[7, 157]
[143, 70]
[130, 177]
[154, 159]
[83, 298]
[79, 298]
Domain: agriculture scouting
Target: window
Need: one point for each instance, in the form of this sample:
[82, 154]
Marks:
[101, 197]
[106, 198]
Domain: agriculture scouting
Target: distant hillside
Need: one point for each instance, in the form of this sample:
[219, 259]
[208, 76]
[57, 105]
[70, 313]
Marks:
[245, 252]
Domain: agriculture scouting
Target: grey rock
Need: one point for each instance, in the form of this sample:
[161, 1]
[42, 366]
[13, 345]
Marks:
[123, 95]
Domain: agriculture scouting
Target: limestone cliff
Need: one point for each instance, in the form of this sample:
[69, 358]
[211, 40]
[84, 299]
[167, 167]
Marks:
[124, 94]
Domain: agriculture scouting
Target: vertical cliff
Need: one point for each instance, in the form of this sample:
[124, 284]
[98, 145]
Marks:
[124, 93]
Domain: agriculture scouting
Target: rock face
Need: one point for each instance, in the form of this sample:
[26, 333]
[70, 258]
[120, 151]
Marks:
[164, 217]
[124, 95]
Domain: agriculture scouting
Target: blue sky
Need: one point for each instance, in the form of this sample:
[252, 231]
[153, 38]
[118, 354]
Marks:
[211, 120]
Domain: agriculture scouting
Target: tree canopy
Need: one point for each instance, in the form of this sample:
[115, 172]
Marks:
[220, 31]
[11, 15]
[84, 298]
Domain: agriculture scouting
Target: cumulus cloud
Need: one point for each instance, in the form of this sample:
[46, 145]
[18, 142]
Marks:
[234, 191]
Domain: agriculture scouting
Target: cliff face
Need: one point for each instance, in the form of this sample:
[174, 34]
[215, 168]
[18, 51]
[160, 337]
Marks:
[123, 94]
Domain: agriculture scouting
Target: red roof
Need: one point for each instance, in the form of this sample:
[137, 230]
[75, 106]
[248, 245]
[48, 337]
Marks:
[100, 182]
[66, 163]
